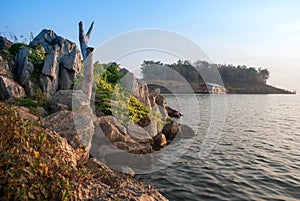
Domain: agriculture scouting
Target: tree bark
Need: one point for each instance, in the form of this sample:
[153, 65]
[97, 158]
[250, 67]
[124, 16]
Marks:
[87, 55]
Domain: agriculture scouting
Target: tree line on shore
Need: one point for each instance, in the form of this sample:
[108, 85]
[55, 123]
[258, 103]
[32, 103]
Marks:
[202, 71]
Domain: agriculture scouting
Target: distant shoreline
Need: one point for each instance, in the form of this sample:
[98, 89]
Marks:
[240, 89]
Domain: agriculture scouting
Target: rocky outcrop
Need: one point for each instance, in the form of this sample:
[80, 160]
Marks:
[56, 72]
[76, 128]
[10, 89]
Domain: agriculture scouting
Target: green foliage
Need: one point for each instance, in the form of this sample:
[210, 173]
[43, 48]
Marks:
[32, 164]
[33, 102]
[114, 98]
[202, 71]
[138, 111]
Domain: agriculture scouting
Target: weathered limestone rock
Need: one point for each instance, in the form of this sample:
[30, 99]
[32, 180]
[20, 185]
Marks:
[51, 65]
[139, 134]
[69, 99]
[62, 63]
[24, 70]
[171, 130]
[10, 89]
[152, 127]
[159, 141]
[110, 130]
[5, 69]
[77, 128]
[66, 78]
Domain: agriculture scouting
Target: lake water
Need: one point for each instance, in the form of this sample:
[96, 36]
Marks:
[256, 155]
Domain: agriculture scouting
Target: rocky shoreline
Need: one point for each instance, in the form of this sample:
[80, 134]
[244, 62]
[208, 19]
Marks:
[39, 79]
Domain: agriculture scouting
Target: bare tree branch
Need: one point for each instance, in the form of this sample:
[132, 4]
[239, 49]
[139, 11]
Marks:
[84, 38]
[87, 55]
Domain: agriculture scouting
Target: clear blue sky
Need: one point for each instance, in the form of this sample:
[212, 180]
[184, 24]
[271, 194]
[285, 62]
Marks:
[254, 33]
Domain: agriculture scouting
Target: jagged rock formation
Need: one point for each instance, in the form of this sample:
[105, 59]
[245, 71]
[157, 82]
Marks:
[56, 72]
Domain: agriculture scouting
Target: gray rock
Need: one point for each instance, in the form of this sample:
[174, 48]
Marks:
[44, 38]
[66, 79]
[72, 60]
[139, 134]
[49, 86]
[10, 89]
[152, 128]
[5, 69]
[42, 112]
[24, 67]
[63, 62]
[123, 71]
[77, 128]
[70, 100]
[186, 131]
[51, 65]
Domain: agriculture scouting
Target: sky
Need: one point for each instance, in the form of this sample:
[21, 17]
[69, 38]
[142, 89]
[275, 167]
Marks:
[256, 33]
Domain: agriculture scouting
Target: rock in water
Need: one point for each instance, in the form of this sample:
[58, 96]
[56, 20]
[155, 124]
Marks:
[173, 113]
[171, 130]
[159, 141]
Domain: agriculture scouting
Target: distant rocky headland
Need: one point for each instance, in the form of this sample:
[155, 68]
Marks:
[235, 79]
[53, 134]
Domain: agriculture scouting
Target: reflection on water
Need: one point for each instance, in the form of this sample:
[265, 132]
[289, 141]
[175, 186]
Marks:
[256, 158]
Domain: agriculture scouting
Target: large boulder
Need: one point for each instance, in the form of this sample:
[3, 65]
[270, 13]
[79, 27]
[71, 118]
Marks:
[10, 89]
[159, 141]
[139, 134]
[113, 134]
[69, 100]
[170, 130]
[77, 128]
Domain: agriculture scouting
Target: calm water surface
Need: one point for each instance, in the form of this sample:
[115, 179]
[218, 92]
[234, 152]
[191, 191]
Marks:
[257, 156]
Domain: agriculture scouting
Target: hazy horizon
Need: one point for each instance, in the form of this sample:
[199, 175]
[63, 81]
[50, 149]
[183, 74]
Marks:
[252, 33]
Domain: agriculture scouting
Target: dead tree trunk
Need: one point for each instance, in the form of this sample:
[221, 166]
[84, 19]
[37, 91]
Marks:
[87, 55]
